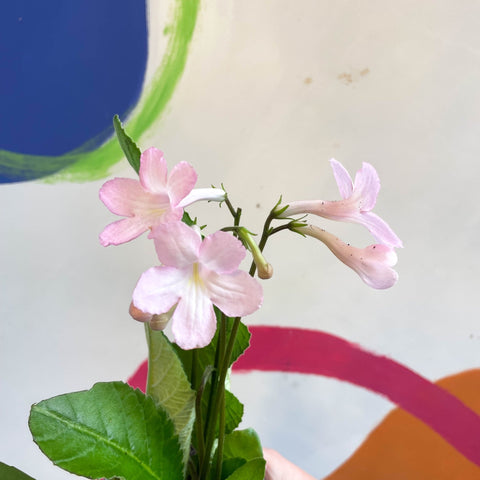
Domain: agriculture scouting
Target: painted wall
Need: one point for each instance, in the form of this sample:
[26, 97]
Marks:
[259, 96]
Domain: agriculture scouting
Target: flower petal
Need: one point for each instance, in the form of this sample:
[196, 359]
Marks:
[177, 244]
[379, 229]
[122, 231]
[122, 195]
[153, 171]
[209, 194]
[236, 294]
[221, 252]
[367, 186]
[373, 264]
[343, 179]
[158, 289]
[194, 322]
[180, 182]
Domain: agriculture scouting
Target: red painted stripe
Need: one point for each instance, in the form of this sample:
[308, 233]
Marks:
[280, 349]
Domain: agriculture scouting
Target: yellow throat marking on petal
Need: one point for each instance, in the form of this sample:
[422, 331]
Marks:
[196, 279]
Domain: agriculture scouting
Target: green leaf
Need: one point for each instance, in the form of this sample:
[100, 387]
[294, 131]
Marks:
[252, 470]
[187, 219]
[129, 147]
[108, 431]
[229, 466]
[11, 473]
[242, 456]
[233, 412]
[243, 444]
[169, 386]
[206, 355]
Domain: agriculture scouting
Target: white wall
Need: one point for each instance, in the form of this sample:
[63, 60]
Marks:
[271, 91]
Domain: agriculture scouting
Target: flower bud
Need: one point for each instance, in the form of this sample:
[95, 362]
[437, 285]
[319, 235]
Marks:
[157, 322]
[264, 269]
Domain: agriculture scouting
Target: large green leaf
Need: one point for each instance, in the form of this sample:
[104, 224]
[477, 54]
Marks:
[11, 473]
[108, 431]
[129, 147]
[169, 386]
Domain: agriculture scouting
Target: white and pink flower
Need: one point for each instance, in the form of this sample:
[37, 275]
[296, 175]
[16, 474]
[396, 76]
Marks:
[358, 199]
[194, 276]
[373, 263]
[153, 199]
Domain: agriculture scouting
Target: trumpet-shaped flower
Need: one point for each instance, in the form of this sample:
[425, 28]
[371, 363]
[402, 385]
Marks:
[194, 276]
[358, 199]
[373, 263]
[153, 199]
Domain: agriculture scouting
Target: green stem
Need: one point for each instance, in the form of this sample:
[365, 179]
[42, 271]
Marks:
[198, 387]
[221, 437]
[220, 392]
[150, 359]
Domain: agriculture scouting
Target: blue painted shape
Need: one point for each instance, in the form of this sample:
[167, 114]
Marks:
[66, 67]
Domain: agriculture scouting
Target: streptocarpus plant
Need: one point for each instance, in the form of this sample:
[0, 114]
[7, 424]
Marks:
[185, 425]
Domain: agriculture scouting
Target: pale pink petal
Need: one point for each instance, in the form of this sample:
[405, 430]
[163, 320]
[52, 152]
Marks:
[380, 229]
[177, 244]
[153, 171]
[122, 195]
[209, 194]
[367, 186]
[336, 210]
[221, 252]
[194, 322]
[342, 177]
[236, 294]
[159, 289]
[180, 182]
[373, 264]
[122, 231]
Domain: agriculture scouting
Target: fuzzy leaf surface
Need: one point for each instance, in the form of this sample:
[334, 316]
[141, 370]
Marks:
[169, 386]
[109, 431]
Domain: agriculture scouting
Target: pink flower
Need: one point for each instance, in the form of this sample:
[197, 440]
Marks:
[373, 263]
[359, 198]
[196, 275]
[154, 199]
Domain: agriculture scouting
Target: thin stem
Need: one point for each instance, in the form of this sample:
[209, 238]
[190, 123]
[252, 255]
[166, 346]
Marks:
[230, 207]
[218, 397]
[192, 470]
[221, 393]
[198, 405]
[221, 436]
[150, 359]
[275, 230]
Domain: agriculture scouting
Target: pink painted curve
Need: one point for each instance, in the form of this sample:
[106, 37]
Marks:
[281, 349]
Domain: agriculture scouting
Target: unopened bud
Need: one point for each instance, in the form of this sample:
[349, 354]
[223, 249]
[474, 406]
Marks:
[159, 322]
[265, 272]
[156, 321]
[264, 269]
[138, 314]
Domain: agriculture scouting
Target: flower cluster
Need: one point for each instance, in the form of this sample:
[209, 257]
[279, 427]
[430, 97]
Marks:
[198, 273]
[373, 263]
[195, 274]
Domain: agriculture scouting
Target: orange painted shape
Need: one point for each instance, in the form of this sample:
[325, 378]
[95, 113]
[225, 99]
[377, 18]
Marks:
[401, 447]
